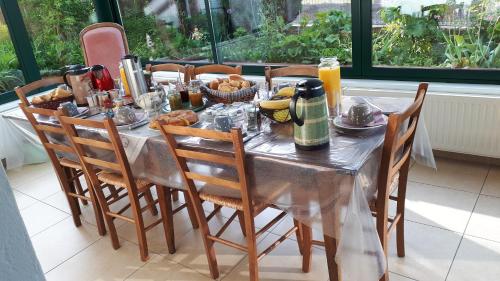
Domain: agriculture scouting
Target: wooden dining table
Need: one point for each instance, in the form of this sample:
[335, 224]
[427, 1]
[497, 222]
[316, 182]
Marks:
[327, 189]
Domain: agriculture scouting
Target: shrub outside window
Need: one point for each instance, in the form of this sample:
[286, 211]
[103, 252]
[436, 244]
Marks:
[10, 74]
[283, 31]
[436, 33]
[167, 30]
[54, 27]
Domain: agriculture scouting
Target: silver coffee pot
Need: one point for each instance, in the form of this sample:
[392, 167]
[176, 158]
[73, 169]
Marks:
[135, 76]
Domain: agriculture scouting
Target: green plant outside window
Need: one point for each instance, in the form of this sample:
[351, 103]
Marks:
[54, 27]
[446, 35]
[10, 75]
[173, 30]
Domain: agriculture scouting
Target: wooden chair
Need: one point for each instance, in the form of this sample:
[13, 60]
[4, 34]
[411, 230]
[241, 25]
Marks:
[104, 43]
[215, 68]
[393, 173]
[22, 92]
[67, 171]
[118, 173]
[298, 70]
[171, 67]
[243, 204]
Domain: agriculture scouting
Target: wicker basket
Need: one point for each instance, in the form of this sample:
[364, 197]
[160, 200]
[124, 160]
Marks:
[54, 104]
[243, 95]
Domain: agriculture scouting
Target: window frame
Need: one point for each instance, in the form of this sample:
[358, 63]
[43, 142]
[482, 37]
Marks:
[361, 68]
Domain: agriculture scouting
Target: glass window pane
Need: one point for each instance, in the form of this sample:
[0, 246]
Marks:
[165, 30]
[54, 27]
[283, 31]
[436, 33]
[10, 74]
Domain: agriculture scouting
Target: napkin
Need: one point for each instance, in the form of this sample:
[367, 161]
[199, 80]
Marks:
[378, 119]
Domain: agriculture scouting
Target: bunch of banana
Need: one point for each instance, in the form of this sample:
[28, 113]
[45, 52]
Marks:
[280, 104]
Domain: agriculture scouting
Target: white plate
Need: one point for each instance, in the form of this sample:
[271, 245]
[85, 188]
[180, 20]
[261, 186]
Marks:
[338, 124]
[142, 118]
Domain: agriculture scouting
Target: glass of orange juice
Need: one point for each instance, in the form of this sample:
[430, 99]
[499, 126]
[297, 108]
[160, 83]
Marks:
[329, 73]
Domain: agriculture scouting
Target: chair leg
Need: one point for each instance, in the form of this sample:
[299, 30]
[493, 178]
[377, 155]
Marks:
[306, 248]
[101, 199]
[139, 227]
[331, 251]
[205, 231]
[164, 197]
[74, 206]
[253, 265]
[150, 201]
[215, 207]
[78, 187]
[101, 228]
[241, 219]
[191, 211]
[175, 195]
[298, 233]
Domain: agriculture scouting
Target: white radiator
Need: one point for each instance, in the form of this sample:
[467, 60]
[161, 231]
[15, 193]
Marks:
[461, 123]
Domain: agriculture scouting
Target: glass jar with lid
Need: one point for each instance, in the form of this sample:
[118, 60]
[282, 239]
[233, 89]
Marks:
[329, 73]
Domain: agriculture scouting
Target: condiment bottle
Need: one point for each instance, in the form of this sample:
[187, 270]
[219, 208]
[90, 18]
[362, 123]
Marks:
[174, 99]
[329, 73]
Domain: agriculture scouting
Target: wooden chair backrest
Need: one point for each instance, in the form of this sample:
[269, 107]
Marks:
[23, 91]
[398, 144]
[171, 67]
[237, 161]
[294, 70]
[216, 68]
[42, 131]
[91, 163]
[101, 25]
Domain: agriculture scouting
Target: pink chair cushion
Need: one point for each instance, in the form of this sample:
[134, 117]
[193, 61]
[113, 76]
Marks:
[104, 46]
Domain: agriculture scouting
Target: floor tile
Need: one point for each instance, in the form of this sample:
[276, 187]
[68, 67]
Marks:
[191, 250]
[62, 241]
[40, 216]
[41, 187]
[451, 173]
[485, 220]
[99, 262]
[287, 223]
[477, 259]
[58, 200]
[492, 183]
[23, 201]
[156, 236]
[17, 177]
[397, 277]
[160, 268]
[283, 263]
[429, 252]
[436, 206]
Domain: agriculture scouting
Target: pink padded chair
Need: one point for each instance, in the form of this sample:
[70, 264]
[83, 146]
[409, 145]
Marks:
[104, 43]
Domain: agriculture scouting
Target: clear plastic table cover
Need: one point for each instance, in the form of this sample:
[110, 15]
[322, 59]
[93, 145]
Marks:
[327, 190]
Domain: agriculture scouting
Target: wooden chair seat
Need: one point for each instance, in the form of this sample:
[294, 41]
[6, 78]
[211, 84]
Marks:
[119, 181]
[70, 164]
[230, 202]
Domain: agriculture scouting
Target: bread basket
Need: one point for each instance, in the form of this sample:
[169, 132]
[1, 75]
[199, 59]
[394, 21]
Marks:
[243, 95]
[53, 104]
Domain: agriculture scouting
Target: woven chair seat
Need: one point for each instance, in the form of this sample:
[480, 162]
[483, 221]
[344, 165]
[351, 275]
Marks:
[118, 181]
[394, 185]
[70, 164]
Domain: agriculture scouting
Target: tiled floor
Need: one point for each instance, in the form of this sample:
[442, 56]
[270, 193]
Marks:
[452, 233]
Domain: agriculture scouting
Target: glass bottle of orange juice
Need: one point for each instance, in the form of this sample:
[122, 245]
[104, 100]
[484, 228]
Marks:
[124, 80]
[329, 73]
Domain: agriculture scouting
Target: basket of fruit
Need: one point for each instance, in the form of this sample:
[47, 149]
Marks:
[277, 108]
[229, 90]
[53, 99]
